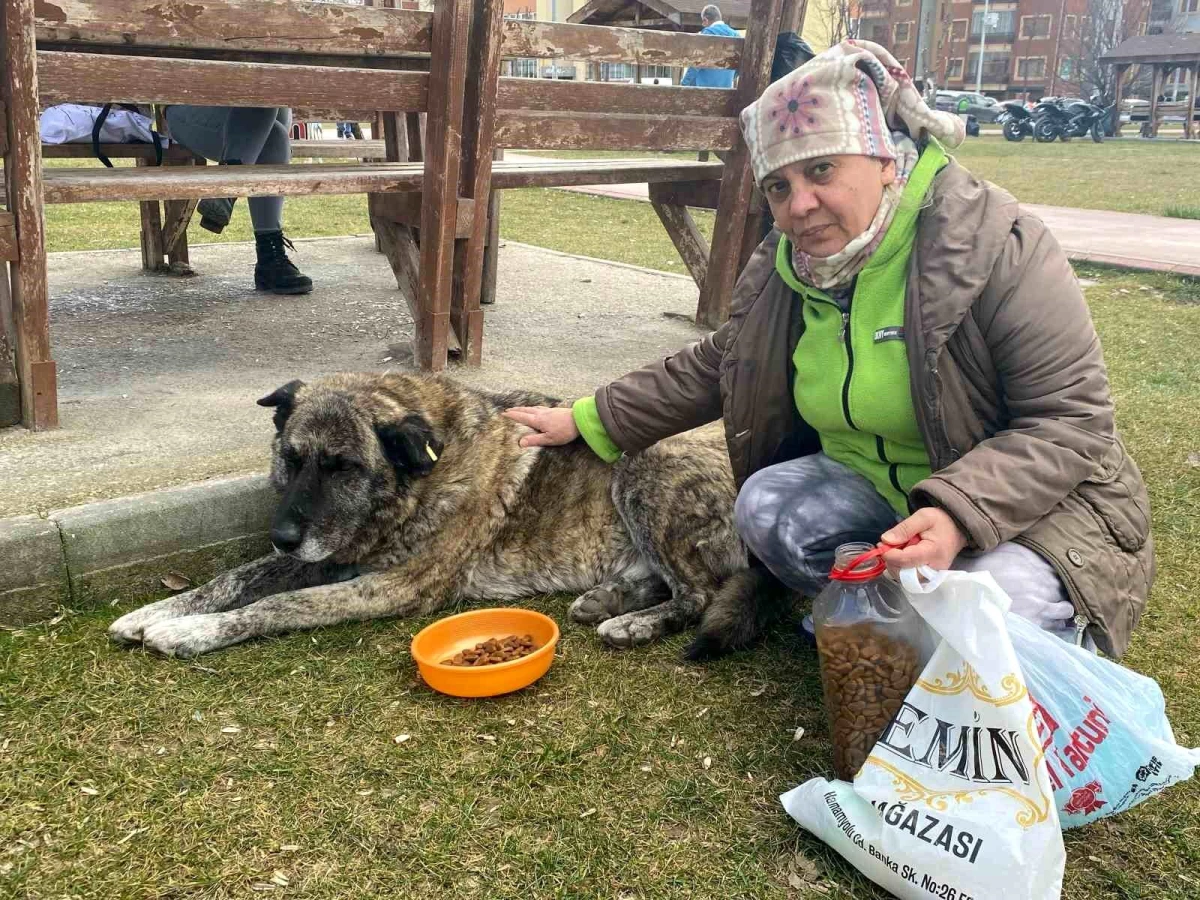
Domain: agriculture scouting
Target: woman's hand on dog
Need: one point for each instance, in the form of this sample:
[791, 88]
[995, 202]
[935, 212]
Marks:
[555, 426]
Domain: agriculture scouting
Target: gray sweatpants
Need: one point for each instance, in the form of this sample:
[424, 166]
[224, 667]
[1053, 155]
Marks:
[249, 135]
[794, 515]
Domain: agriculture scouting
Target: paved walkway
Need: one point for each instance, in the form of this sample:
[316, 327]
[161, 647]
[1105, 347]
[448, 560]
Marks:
[158, 375]
[1151, 243]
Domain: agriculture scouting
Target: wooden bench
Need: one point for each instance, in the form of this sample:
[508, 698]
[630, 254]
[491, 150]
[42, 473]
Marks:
[433, 203]
[164, 230]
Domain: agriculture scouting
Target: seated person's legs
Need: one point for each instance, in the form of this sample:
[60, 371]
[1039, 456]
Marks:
[794, 515]
[226, 135]
[274, 271]
[1036, 591]
[245, 135]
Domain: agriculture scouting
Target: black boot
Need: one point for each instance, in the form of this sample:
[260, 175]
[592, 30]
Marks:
[216, 213]
[275, 272]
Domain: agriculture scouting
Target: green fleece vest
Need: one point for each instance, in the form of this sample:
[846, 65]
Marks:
[852, 378]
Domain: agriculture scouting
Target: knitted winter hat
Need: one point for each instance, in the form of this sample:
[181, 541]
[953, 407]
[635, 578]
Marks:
[848, 99]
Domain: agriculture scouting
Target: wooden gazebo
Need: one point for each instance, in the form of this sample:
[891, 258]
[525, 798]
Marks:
[1164, 53]
[664, 15]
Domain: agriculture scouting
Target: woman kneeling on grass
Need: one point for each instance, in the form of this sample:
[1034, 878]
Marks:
[908, 355]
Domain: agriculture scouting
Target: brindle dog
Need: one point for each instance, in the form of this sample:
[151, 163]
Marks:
[402, 495]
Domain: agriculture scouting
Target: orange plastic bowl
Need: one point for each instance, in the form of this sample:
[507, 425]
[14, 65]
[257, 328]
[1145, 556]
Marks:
[448, 636]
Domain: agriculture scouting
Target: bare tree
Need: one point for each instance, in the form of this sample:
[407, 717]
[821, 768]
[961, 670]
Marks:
[1106, 24]
[839, 18]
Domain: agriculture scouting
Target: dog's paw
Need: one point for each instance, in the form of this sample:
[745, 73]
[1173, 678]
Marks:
[130, 628]
[632, 630]
[188, 637]
[597, 605]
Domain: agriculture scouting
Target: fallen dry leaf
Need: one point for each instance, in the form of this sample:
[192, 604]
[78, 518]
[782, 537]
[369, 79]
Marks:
[1193, 460]
[796, 881]
[175, 581]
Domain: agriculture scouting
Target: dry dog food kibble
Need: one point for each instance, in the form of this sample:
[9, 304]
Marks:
[495, 650]
[866, 676]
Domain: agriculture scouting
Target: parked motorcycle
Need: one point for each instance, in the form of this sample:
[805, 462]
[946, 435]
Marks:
[1051, 121]
[1086, 118]
[1065, 118]
[1016, 121]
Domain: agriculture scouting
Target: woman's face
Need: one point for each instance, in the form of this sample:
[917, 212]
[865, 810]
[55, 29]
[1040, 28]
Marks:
[823, 203]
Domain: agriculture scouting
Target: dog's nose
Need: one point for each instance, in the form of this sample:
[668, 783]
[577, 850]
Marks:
[286, 536]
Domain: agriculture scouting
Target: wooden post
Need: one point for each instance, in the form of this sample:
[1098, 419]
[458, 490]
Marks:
[478, 146]
[792, 17]
[439, 196]
[177, 214]
[491, 254]
[737, 180]
[395, 149]
[1155, 90]
[684, 234]
[29, 296]
[1190, 128]
[152, 230]
[1118, 90]
[174, 233]
[10, 387]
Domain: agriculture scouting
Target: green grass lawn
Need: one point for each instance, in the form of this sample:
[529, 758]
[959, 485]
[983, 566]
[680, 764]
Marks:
[1125, 176]
[273, 768]
[1130, 176]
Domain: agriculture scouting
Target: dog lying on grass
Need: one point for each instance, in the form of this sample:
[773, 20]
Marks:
[402, 495]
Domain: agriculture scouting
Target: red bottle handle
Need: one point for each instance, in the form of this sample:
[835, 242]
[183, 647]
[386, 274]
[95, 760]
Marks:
[848, 572]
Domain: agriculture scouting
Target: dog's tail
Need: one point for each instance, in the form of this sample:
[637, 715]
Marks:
[745, 605]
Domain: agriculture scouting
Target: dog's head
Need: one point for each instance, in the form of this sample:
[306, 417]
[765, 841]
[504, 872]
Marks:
[341, 453]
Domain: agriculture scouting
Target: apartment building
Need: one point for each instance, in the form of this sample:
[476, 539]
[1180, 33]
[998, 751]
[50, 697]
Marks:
[1008, 49]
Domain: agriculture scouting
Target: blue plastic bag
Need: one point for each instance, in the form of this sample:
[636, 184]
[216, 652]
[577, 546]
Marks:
[1103, 728]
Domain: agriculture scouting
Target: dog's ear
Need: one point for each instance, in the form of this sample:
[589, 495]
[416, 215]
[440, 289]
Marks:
[284, 401]
[410, 445]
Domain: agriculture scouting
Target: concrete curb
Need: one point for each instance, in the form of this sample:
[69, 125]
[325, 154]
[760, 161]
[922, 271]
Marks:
[1113, 261]
[99, 552]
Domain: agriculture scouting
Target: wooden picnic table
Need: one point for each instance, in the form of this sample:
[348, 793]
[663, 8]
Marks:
[432, 79]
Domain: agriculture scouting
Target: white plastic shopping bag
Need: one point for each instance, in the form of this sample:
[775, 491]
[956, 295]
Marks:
[1103, 728]
[955, 800]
